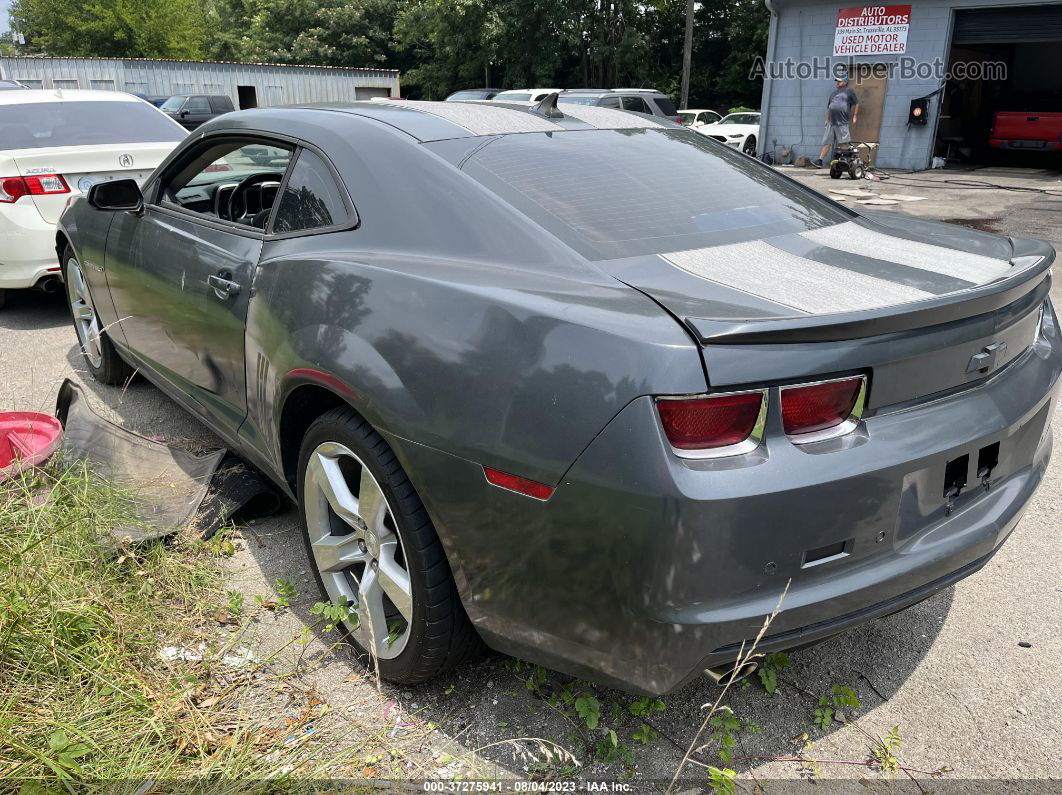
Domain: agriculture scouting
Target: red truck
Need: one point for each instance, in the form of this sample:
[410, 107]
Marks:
[1021, 130]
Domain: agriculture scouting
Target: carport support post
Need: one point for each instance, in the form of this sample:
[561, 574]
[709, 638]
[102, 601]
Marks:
[687, 54]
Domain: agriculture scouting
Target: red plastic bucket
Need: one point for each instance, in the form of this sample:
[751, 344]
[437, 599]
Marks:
[27, 439]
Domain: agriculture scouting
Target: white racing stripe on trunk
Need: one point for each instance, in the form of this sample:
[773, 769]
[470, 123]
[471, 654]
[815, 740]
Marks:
[857, 239]
[761, 269]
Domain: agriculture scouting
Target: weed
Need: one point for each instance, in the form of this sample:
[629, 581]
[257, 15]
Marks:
[285, 592]
[645, 734]
[588, 708]
[336, 612]
[721, 780]
[769, 669]
[235, 602]
[726, 726]
[610, 749]
[645, 707]
[885, 751]
[839, 696]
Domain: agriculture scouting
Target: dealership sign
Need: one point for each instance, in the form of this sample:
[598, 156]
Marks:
[872, 30]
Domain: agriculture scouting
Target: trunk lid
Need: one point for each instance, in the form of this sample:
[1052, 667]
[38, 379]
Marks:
[83, 166]
[922, 310]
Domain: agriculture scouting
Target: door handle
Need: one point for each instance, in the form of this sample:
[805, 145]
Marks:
[223, 288]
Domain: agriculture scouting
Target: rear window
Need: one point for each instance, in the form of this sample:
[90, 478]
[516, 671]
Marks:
[37, 125]
[622, 193]
[667, 107]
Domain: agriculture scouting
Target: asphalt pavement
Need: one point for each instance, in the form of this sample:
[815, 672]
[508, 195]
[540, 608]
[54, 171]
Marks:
[972, 677]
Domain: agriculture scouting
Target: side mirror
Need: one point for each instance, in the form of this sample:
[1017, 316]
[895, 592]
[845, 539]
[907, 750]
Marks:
[698, 124]
[183, 113]
[116, 196]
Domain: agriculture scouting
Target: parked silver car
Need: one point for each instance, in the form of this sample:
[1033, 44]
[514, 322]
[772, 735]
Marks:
[527, 391]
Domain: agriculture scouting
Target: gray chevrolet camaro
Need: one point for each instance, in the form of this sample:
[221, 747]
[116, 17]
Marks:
[583, 385]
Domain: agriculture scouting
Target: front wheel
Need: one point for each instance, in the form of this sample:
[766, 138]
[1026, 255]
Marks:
[750, 146]
[374, 548]
[99, 353]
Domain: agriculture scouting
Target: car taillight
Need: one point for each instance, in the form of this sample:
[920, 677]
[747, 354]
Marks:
[714, 422]
[510, 482]
[812, 410]
[14, 188]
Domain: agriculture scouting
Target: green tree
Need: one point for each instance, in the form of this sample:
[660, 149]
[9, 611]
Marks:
[116, 28]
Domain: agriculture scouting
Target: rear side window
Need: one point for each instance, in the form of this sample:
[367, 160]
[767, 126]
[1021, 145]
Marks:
[220, 104]
[667, 107]
[311, 199]
[637, 104]
[36, 125]
[623, 193]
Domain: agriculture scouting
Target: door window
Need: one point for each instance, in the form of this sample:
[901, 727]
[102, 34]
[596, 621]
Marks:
[230, 180]
[197, 105]
[610, 102]
[312, 199]
[637, 104]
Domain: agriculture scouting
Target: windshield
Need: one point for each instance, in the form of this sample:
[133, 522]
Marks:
[42, 124]
[741, 118]
[512, 96]
[173, 103]
[686, 117]
[575, 99]
[613, 193]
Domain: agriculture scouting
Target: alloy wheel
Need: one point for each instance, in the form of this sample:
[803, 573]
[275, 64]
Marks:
[85, 319]
[357, 549]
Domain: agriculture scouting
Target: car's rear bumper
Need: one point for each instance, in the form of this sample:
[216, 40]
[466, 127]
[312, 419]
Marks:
[644, 568]
[1025, 145]
[27, 246]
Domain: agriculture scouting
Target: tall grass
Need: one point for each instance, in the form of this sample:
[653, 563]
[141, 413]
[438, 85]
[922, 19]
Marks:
[84, 694]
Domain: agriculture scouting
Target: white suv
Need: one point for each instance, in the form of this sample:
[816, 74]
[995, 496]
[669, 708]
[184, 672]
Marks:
[54, 145]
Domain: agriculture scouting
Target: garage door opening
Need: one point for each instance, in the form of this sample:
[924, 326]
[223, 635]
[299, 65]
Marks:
[1011, 113]
[247, 96]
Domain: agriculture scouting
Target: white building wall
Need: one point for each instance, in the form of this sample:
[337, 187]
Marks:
[274, 84]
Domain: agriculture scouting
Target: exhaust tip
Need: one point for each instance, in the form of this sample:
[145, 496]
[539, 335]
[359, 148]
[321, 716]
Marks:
[728, 674]
[49, 284]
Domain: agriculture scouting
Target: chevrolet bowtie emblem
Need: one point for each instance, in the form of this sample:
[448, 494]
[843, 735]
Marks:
[990, 357]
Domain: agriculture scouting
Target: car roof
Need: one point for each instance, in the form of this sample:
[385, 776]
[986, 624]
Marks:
[37, 95]
[699, 110]
[436, 121]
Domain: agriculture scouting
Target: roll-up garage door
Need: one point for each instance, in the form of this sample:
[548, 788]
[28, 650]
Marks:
[1013, 24]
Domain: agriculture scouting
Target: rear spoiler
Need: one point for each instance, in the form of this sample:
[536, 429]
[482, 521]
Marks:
[1020, 292]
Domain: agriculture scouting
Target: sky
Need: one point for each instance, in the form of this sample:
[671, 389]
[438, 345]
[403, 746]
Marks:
[4, 22]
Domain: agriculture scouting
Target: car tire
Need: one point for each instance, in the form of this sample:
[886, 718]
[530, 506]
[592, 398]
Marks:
[749, 147]
[369, 558]
[100, 356]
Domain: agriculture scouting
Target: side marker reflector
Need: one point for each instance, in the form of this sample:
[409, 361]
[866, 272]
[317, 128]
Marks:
[529, 488]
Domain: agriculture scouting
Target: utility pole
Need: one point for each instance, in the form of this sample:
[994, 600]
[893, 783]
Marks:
[687, 54]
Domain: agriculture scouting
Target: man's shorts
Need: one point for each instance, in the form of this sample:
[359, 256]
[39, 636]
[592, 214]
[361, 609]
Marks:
[836, 134]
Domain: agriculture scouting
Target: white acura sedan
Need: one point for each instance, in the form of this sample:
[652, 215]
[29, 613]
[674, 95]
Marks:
[54, 145]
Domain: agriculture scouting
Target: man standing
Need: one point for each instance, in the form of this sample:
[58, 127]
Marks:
[842, 105]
